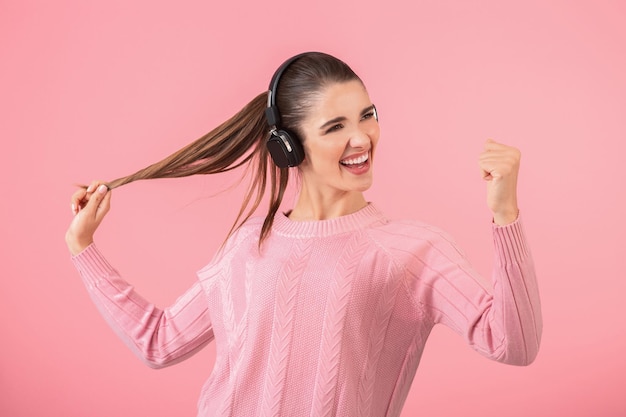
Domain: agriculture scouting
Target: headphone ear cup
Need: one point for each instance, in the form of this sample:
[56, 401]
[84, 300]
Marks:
[285, 148]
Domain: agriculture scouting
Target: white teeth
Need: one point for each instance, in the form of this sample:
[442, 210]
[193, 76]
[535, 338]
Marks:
[356, 161]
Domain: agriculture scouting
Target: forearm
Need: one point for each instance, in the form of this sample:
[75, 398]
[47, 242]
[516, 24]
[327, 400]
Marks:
[159, 337]
[517, 308]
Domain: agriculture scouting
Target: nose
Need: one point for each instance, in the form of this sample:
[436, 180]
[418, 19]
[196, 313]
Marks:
[360, 138]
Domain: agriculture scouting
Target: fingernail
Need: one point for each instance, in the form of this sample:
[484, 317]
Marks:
[73, 208]
[103, 189]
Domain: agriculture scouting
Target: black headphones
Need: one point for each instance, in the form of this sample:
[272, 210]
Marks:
[284, 146]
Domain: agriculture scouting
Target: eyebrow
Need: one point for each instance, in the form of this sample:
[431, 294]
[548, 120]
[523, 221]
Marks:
[343, 118]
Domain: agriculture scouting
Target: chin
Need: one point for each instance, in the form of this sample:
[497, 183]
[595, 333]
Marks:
[363, 187]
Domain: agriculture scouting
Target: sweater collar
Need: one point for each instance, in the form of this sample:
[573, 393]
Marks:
[358, 220]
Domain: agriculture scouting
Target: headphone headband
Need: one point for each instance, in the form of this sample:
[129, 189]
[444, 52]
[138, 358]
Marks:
[271, 113]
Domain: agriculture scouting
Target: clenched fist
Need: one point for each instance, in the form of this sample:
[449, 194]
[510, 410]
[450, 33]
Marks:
[499, 165]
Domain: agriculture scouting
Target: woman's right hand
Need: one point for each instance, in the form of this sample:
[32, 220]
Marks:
[89, 206]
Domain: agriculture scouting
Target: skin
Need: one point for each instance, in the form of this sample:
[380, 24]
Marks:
[499, 166]
[89, 207]
[329, 189]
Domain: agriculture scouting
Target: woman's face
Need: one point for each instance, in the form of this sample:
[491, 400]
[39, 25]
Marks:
[339, 138]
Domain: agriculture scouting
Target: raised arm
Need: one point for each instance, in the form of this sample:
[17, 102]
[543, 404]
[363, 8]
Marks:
[502, 318]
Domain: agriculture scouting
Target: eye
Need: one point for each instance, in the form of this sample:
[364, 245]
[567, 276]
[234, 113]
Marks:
[368, 115]
[334, 128]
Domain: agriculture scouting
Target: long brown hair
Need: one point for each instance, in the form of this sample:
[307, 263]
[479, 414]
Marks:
[241, 139]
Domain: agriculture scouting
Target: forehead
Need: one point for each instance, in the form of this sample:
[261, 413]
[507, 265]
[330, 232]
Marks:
[339, 99]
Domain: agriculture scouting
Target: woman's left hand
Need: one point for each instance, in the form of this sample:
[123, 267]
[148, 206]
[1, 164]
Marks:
[499, 165]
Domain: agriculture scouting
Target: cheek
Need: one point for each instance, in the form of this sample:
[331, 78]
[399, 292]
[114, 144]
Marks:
[375, 136]
[320, 159]
[324, 153]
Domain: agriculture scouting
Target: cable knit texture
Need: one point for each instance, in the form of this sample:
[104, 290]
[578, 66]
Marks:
[330, 318]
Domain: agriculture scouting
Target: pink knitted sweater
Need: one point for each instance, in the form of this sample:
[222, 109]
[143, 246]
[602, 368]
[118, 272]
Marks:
[331, 317]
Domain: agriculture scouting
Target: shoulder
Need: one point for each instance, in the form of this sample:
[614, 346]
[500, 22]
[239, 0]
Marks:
[251, 227]
[405, 239]
[405, 231]
[244, 238]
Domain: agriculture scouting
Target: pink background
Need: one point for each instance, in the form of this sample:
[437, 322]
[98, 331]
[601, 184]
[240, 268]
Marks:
[98, 89]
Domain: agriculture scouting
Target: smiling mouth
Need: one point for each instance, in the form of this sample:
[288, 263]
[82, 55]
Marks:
[355, 161]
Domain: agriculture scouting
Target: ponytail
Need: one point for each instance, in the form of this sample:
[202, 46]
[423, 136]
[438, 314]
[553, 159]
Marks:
[237, 141]
[241, 139]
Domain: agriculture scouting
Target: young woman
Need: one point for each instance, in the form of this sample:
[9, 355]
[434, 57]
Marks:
[322, 310]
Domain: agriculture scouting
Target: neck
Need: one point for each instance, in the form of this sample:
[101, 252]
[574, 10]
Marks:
[320, 206]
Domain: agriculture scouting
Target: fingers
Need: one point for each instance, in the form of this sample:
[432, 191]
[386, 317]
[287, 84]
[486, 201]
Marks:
[78, 199]
[498, 160]
[89, 205]
[99, 203]
[81, 197]
[499, 165]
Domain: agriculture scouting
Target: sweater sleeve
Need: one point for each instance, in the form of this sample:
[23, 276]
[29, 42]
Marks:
[500, 319]
[160, 337]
